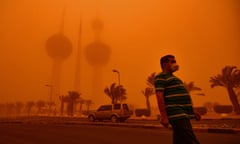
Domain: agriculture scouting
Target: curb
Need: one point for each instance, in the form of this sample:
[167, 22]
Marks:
[152, 126]
[146, 126]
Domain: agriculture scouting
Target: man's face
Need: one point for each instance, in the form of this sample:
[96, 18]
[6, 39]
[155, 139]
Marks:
[172, 65]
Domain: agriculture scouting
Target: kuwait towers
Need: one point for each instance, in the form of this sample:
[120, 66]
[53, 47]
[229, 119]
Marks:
[59, 48]
[97, 54]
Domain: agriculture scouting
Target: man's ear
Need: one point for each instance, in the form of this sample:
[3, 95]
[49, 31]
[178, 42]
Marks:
[164, 65]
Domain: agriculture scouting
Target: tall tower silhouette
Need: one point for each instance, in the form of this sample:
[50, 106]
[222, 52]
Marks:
[97, 55]
[77, 80]
[59, 48]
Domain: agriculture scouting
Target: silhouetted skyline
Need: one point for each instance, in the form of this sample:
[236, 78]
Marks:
[203, 35]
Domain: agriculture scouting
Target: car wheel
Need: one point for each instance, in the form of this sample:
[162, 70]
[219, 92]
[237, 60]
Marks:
[91, 118]
[114, 119]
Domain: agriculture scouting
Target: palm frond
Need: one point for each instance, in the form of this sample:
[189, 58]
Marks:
[236, 77]
[116, 92]
[150, 79]
[191, 87]
[230, 77]
[217, 81]
[107, 91]
[227, 74]
[147, 92]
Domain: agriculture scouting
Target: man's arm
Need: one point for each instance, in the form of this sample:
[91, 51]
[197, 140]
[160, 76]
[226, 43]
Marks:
[162, 108]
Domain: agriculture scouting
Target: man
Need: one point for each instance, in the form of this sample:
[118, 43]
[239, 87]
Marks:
[174, 103]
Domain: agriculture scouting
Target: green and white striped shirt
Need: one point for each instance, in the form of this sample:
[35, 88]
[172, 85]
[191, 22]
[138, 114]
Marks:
[177, 99]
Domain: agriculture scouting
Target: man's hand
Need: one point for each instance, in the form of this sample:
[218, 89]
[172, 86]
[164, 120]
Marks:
[164, 121]
[197, 116]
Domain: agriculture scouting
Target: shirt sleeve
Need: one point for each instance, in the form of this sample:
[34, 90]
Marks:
[159, 83]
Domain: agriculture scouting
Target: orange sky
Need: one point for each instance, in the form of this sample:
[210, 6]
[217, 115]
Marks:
[203, 35]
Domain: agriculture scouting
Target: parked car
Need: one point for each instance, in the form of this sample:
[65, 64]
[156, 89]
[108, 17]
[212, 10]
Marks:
[112, 112]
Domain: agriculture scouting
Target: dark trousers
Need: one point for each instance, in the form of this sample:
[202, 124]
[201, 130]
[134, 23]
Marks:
[183, 132]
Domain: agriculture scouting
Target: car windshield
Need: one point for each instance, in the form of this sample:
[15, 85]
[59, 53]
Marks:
[105, 108]
[116, 106]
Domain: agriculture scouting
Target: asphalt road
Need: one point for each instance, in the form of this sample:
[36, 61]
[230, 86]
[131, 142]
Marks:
[37, 133]
[214, 123]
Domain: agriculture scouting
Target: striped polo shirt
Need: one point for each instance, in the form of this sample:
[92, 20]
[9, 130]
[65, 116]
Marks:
[177, 99]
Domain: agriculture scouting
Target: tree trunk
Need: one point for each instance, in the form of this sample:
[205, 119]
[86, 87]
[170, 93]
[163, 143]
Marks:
[234, 100]
[68, 108]
[148, 104]
[112, 100]
[62, 107]
[71, 107]
[80, 108]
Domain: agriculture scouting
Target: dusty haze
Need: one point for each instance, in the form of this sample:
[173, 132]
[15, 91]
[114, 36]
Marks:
[203, 35]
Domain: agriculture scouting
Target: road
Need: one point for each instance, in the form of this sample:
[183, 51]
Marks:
[48, 133]
[213, 123]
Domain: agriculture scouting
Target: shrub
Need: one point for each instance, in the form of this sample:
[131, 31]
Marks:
[142, 112]
[201, 110]
[223, 108]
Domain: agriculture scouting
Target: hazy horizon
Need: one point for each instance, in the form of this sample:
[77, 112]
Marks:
[203, 35]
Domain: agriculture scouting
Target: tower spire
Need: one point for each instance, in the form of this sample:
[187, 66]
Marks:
[63, 18]
[77, 82]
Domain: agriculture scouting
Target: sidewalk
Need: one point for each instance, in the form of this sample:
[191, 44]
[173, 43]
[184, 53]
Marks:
[197, 127]
[158, 126]
[148, 123]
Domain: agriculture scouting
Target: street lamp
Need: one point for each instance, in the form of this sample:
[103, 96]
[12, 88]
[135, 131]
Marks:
[50, 95]
[116, 71]
[51, 90]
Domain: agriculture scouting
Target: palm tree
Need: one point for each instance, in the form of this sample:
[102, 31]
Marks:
[63, 99]
[151, 79]
[116, 93]
[149, 90]
[192, 88]
[121, 93]
[237, 90]
[81, 101]
[10, 108]
[50, 104]
[19, 107]
[40, 105]
[73, 96]
[147, 93]
[29, 106]
[110, 92]
[230, 79]
[88, 103]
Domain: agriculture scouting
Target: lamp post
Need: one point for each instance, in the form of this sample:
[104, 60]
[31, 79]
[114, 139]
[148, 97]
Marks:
[116, 71]
[50, 95]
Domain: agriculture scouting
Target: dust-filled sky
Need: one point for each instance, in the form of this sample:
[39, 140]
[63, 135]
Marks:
[204, 35]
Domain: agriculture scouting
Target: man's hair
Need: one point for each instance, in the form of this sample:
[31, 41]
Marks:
[165, 59]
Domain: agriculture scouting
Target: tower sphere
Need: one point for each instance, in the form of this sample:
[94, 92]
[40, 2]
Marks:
[97, 53]
[59, 46]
